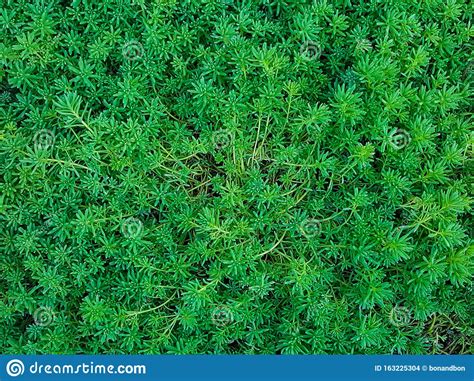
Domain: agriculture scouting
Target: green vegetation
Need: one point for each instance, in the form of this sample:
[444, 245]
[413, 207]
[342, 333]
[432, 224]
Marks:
[202, 176]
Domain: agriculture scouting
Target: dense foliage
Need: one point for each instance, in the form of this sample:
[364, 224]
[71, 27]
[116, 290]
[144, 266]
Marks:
[262, 176]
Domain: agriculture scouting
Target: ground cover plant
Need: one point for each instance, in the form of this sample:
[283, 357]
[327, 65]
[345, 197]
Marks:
[274, 176]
